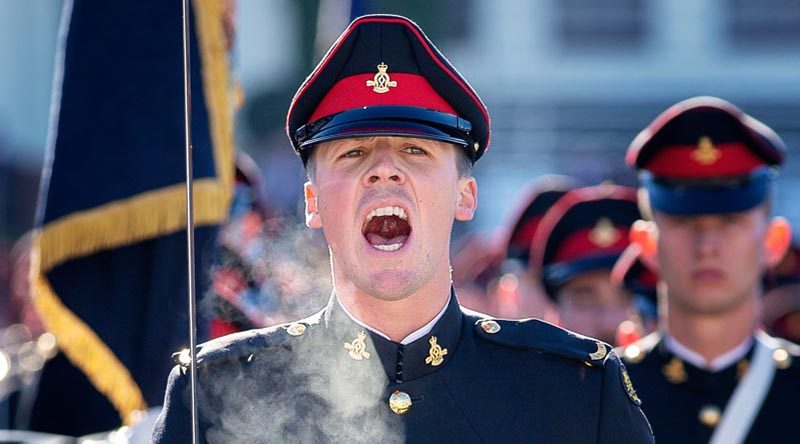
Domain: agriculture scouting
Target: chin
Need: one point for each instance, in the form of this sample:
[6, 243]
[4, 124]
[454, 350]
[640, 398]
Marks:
[392, 285]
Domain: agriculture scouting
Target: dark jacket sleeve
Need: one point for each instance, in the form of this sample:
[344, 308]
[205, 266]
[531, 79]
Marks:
[174, 423]
[621, 419]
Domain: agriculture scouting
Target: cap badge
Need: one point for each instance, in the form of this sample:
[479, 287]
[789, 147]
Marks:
[674, 371]
[604, 234]
[436, 353]
[358, 348]
[381, 82]
[706, 153]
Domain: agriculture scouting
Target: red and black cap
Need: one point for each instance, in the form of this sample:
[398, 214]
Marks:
[384, 77]
[585, 230]
[631, 273]
[536, 199]
[705, 156]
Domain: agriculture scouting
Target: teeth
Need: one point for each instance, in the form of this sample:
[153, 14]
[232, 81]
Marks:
[390, 247]
[387, 211]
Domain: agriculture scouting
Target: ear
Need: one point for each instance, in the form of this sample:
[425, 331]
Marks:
[312, 210]
[777, 240]
[644, 234]
[467, 198]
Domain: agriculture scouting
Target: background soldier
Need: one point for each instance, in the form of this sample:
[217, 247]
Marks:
[389, 131]
[707, 172]
[580, 239]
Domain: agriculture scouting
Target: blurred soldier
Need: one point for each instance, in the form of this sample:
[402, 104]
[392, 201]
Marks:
[707, 173]
[635, 275]
[476, 261]
[580, 239]
[389, 131]
[782, 297]
[519, 284]
[492, 273]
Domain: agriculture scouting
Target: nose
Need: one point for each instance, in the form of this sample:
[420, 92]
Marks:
[384, 169]
[706, 240]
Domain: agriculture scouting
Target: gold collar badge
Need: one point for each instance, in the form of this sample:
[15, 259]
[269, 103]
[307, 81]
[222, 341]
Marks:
[358, 348]
[381, 82]
[675, 372]
[436, 353]
[604, 234]
[706, 153]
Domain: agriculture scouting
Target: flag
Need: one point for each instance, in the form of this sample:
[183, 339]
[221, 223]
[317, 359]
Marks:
[109, 271]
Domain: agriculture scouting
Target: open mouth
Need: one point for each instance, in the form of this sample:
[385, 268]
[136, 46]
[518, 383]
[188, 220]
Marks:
[387, 228]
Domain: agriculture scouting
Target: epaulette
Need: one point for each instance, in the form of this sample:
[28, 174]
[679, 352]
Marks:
[785, 353]
[243, 345]
[636, 352]
[534, 334]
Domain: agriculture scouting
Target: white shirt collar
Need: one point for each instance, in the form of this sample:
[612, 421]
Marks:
[720, 362]
[422, 331]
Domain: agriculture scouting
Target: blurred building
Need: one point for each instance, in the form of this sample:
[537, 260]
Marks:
[569, 83]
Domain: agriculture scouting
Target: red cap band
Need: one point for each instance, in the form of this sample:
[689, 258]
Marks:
[352, 92]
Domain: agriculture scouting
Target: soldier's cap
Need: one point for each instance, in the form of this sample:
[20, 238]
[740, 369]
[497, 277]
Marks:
[384, 77]
[705, 156]
[631, 273]
[537, 197]
[585, 230]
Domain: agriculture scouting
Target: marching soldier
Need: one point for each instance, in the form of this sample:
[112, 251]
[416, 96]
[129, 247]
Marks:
[580, 239]
[710, 374]
[388, 131]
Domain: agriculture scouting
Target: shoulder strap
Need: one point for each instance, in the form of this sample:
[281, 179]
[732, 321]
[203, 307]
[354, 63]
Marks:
[748, 397]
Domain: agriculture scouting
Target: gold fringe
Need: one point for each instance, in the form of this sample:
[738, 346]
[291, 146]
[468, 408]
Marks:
[128, 221]
[217, 88]
[83, 347]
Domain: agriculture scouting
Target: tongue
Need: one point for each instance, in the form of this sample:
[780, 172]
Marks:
[387, 230]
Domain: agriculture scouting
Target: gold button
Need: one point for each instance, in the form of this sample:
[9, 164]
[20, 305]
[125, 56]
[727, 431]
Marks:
[296, 329]
[490, 327]
[633, 354]
[476, 146]
[709, 415]
[782, 358]
[400, 402]
[184, 358]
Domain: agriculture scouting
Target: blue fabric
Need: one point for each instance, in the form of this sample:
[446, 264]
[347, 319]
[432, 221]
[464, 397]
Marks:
[120, 133]
[681, 199]
[120, 123]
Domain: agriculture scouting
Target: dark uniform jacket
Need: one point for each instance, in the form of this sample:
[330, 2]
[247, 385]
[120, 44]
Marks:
[684, 403]
[470, 380]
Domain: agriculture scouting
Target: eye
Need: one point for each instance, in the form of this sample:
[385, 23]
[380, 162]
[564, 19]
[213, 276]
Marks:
[352, 153]
[415, 150]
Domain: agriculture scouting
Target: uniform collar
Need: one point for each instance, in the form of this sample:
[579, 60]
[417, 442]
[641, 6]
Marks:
[401, 362]
[719, 363]
[413, 336]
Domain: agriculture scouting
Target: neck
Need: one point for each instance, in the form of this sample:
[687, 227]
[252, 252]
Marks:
[395, 318]
[711, 335]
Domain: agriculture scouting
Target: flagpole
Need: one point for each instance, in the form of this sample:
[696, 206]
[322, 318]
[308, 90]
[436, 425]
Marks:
[187, 112]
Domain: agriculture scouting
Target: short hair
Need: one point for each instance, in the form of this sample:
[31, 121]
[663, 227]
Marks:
[464, 164]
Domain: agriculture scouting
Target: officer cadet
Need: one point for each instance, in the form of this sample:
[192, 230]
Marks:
[635, 275]
[388, 131]
[709, 374]
[580, 239]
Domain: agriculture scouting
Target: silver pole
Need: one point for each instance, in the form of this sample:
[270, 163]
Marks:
[187, 112]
